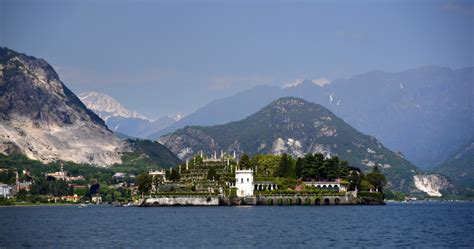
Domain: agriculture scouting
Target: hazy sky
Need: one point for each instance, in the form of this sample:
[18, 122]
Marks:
[160, 58]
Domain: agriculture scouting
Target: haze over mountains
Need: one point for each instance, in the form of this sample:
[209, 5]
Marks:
[416, 110]
[459, 167]
[120, 119]
[426, 113]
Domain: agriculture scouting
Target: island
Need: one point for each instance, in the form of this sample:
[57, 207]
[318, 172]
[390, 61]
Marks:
[314, 179]
[201, 180]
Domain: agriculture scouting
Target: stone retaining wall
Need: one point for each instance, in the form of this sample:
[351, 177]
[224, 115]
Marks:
[180, 201]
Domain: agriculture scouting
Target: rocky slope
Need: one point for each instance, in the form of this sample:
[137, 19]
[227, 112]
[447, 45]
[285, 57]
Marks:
[41, 118]
[430, 105]
[433, 184]
[120, 119]
[295, 126]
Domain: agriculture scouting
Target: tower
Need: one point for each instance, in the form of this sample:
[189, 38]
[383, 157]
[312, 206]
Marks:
[244, 182]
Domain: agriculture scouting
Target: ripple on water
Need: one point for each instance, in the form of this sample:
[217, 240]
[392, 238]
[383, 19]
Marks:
[393, 225]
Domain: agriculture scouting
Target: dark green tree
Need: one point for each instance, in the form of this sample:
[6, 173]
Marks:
[299, 167]
[244, 162]
[144, 182]
[355, 179]
[285, 167]
[175, 176]
[377, 179]
[212, 174]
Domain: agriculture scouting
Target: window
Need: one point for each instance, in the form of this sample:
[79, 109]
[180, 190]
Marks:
[241, 180]
[247, 180]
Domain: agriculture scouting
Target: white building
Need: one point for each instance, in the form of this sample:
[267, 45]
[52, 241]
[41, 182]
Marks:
[244, 182]
[340, 185]
[158, 173]
[4, 190]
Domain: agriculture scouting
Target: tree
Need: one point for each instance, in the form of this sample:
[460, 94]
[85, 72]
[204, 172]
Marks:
[144, 182]
[355, 179]
[299, 167]
[285, 168]
[244, 162]
[377, 179]
[174, 176]
[265, 165]
[212, 174]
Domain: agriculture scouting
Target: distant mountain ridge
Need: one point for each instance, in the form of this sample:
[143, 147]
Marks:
[422, 112]
[120, 119]
[106, 106]
[460, 166]
[297, 127]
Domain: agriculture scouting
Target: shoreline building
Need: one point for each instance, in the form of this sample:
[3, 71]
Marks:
[244, 182]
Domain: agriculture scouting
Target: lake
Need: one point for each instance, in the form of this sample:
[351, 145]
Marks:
[427, 225]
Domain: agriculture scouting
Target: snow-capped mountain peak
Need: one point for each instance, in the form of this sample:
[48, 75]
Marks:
[178, 116]
[320, 82]
[106, 106]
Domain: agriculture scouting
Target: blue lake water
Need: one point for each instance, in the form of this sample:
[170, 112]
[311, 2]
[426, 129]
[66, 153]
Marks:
[424, 225]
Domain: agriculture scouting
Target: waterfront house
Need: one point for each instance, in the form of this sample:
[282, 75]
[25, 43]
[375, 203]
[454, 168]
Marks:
[4, 190]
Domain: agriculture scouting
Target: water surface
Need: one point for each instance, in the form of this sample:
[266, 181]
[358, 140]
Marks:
[425, 225]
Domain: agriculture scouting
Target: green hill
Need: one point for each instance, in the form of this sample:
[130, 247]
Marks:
[460, 166]
[296, 127]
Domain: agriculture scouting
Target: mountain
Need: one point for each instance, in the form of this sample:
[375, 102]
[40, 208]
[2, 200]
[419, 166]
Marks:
[460, 166]
[41, 118]
[430, 105]
[106, 107]
[297, 127]
[120, 119]
[225, 110]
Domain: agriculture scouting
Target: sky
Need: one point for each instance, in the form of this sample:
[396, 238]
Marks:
[162, 57]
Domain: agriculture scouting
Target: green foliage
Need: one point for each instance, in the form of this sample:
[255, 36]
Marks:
[286, 167]
[377, 179]
[265, 165]
[394, 195]
[319, 168]
[44, 187]
[374, 195]
[355, 179]
[212, 174]
[244, 162]
[174, 176]
[7, 177]
[366, 185]
[154, 153]
[144, 182]
[299, 168]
